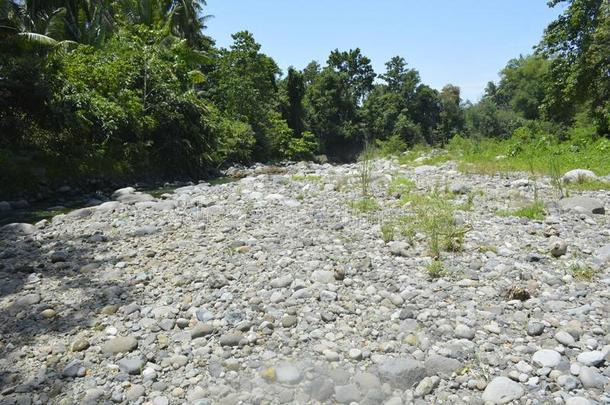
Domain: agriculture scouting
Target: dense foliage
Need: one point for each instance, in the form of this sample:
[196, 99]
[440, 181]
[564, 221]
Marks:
[135, 89]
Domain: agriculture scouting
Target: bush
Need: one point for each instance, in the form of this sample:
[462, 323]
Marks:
[302, 148]
[236, 141]
[391, 146]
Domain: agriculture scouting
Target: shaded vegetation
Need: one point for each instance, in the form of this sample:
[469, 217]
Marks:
[124, 89]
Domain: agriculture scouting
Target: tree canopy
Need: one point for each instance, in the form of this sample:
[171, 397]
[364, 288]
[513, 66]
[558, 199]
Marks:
[125, 88]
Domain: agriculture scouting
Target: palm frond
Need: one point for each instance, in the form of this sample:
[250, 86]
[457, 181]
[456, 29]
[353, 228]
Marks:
[38, 39]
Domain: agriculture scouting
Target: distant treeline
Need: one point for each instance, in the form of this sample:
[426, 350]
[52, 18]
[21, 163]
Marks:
[135, 89]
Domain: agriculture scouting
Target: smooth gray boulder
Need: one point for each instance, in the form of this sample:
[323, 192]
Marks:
[442, 366]
[578, 176]
[602, 255]
[502, 390]
[120, 345]
[122, 192]
[132, 366]
[590, 377]
[586, 204]
[402, 373]
[546, 358]
[135, 198]
[288, 374]
[19, 228]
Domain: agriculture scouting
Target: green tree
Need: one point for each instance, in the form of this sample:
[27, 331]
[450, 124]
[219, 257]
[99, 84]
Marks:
[244, 85]
[578, 45]
[332, 114]
[387, 109]
[311, 71]
[426, 111]
[522, 85]
[356, 70]
[400, 79]
[451, 116]
[293, 110]
[182, 19]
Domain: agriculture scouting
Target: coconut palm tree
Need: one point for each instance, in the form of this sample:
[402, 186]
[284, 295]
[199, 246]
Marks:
[180, 18]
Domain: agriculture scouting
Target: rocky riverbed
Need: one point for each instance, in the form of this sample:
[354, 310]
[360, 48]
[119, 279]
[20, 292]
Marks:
[278, 289]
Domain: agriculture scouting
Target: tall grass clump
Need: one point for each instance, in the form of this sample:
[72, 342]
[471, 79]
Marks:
[556, 174]
[434, 216]
[365, 169]
[535, 211]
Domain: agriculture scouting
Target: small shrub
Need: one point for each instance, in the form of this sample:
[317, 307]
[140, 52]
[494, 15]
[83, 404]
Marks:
[341, 183]
[468, 205]
[391, 146]
[411, 155]
[556, 176]
[582, 273]
[300, 148]
[433, 215]
[409, 233]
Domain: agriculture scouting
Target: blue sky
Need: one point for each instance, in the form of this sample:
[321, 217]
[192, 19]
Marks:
[463, 42]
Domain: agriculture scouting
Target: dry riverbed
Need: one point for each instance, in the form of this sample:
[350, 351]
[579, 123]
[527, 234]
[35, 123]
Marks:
[290, 287]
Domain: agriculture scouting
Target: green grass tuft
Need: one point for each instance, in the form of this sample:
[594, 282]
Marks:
[388, 231]
[535, 211]
[435, 270]
[307, 178]
[365, 205]
[589, 185]
[401, 185]
[583, 273]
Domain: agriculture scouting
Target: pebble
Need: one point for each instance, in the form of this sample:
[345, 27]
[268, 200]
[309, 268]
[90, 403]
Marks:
[464, 332]
[346, 394]
[135, 392]
[79, 345]
[230, 339]
[591, 378]
[48, 313]
[355, 354]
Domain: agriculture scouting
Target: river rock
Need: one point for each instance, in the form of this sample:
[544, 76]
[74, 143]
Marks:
[502, 390]
[288, 374]
[120, 345]
[590, 205]
[402, 372]
[578, 176]
[592, 378]
[546, 358]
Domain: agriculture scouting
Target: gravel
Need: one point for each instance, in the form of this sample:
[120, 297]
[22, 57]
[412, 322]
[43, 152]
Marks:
[275, 289]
